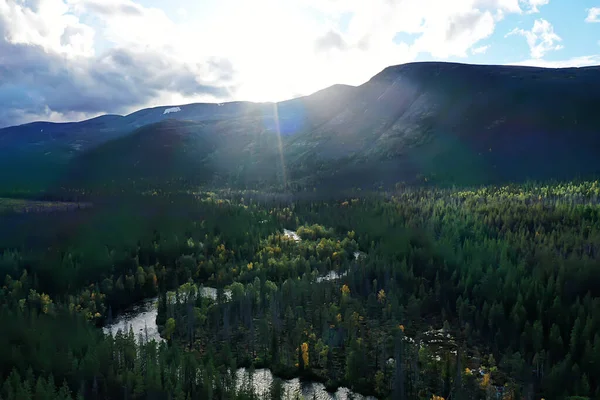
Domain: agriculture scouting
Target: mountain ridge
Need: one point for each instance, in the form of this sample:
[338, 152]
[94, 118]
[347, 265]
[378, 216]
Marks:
[387, 70]
[167, 106]
[417, 122]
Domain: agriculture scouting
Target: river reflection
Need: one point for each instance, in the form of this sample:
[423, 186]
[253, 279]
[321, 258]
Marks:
[263, 378]
[142, 319]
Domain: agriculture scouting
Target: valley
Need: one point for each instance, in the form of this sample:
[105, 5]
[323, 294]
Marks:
[472, 292]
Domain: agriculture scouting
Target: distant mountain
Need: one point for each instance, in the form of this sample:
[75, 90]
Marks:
[35, 155]
[434, 122]
[78, 136]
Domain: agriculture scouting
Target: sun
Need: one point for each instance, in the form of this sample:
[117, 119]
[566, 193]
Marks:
[271, 50]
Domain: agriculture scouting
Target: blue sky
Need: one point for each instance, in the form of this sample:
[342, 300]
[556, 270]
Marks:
[74, 59]
[578, 38]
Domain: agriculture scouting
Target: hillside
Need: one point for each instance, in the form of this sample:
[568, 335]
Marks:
[436, 122]
[41, 151]
[175, 150]
[466, 124]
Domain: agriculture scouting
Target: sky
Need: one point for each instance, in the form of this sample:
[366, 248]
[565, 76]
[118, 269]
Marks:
[66, 60]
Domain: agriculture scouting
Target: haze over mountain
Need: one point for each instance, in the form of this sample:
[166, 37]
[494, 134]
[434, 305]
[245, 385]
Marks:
[417, 122]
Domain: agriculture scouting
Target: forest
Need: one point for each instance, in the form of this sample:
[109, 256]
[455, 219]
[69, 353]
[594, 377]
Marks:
[414, 293]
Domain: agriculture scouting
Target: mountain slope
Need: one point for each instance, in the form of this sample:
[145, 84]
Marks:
[90, 133]
[35, 155]
[465, 124]
[174, 151]
[435, 122]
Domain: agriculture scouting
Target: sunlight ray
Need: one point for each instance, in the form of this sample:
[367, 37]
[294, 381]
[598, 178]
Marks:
[279, 143]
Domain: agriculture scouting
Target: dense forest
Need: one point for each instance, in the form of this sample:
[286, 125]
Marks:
[416, 293]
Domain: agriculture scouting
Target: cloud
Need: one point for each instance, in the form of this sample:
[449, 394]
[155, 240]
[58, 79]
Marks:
[116, 81]
[510, 6]
[593, 15]
[582, 61]
[109, 8]
[330, 40]
[441, 29]
[455, 35]
[480, 49]
[541, 38]
[534, 4]
[47, 24]
[64, 59]
[462, 23]
[50, 70]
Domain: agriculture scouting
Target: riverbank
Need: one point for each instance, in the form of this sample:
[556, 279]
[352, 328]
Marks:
[141, 318]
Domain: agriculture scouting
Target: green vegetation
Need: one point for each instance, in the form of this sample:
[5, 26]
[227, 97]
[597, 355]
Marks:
[437, 292]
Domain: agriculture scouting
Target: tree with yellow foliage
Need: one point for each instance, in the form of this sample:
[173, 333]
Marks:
[345, 290]
[381, 296]
[486, 384]
[485, 381]
[305, 354]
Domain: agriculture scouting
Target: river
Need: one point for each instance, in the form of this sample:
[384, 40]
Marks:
[142, 318]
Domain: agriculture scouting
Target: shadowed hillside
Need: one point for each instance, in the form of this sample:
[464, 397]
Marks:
[435, 122]
[466, 124]
[34, 156]
[183, 151]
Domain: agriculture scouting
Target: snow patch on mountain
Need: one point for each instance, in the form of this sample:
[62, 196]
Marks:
[172, 110]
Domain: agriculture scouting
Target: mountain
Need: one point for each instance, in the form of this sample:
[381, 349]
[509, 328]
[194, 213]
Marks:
[467, 124]
[40, 152]
[436, 122]
[181, 150]
[79, 136]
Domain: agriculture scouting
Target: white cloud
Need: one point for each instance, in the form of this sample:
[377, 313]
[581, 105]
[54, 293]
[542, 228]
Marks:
[47, 24]
[444, 28]
[541, 38]
[51, 70]
[593, 15]
[480, 49]
[108, 7]
[455, 34]
[440, 28]
[582, 61]
[129, 25]
[534, 4]
[260, 50]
